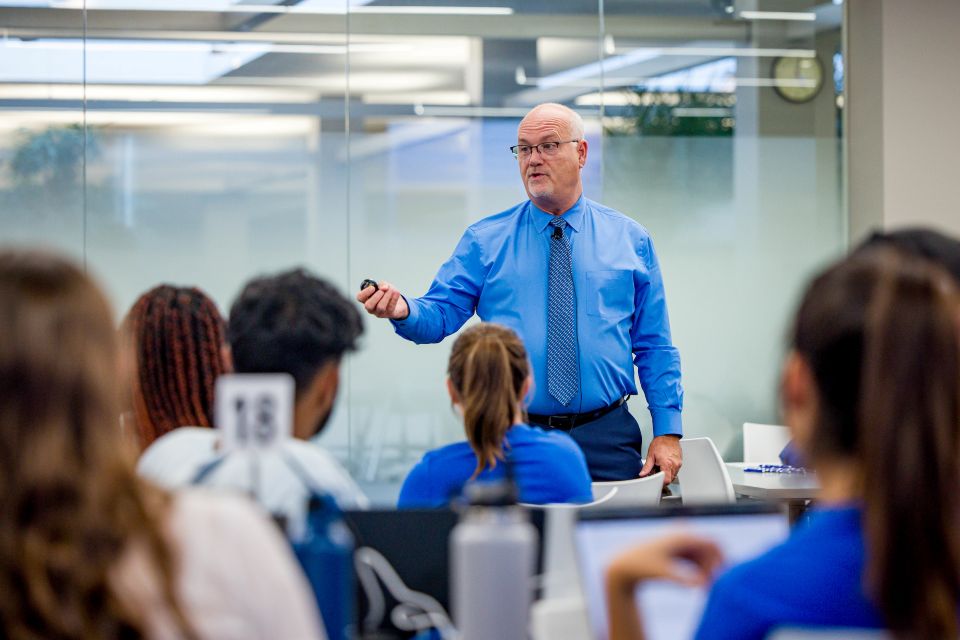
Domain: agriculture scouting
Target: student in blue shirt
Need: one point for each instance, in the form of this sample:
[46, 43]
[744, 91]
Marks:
[871, 392]
[581, 285]
[488, 380]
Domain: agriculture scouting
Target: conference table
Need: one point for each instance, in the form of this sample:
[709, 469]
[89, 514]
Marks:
[793, 489]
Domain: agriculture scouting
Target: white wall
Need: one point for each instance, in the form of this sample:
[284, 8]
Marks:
[903, 99]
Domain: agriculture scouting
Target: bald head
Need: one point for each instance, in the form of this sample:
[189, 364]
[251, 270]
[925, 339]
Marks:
[551, 173]
[564, 117]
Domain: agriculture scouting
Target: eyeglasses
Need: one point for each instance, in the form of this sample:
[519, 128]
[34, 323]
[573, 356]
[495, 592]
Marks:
[545, 148]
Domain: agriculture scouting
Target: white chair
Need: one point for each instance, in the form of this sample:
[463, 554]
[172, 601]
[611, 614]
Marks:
[637, 492]
[560, 619]
[703, 477]
[560, 578]
[573, 505]
[762, 443]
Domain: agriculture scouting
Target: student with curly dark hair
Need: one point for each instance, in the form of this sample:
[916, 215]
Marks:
[299, 324]
[294, 323]
[87, 550]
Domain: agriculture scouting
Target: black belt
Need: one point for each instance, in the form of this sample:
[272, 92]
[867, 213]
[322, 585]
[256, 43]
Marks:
[567, 421]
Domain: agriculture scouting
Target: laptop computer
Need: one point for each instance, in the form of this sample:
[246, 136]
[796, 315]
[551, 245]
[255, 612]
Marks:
[742, 531]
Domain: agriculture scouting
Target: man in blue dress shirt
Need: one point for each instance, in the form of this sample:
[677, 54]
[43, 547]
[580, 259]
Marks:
[581, 285]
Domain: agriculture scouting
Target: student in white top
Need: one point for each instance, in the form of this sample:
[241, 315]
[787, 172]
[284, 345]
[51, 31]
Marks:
[87, 549]
[289, 323]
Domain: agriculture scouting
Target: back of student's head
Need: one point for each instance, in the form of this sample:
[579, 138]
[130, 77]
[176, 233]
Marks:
[293, 323]
[179, 344]
[927, 243]
[488, 368]
[69, 500]
[881, 334]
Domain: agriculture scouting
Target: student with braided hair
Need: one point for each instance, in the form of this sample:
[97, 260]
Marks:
[179, 347]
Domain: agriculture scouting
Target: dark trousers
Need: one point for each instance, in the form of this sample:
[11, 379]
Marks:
[612, 445]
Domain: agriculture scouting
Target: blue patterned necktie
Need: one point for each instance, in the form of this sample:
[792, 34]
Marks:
[562, 379]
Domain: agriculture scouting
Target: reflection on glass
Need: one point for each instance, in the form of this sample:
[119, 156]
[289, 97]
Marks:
[205, 142]
[42, 150]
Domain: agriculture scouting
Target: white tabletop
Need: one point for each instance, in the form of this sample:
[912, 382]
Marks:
[772, 486]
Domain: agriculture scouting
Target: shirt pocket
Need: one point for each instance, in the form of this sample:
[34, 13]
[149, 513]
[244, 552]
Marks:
[610, 293]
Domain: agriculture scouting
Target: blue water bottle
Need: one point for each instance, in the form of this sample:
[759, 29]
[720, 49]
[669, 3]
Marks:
[326, 554]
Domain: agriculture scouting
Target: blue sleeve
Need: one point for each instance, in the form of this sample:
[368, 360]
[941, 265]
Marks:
[657, 360]
[791, 455]
[730, 613]
[451, 299]
[417, 490]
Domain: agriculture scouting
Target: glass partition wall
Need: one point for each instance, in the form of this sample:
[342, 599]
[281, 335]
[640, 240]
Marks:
[205, 142]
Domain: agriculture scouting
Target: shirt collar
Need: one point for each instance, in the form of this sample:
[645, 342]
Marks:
[573, 215]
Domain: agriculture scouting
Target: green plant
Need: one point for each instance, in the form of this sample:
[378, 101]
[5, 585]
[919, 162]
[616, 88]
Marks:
[680, 113]
[52, 158]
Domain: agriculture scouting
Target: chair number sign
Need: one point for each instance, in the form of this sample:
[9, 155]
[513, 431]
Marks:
[254, 411]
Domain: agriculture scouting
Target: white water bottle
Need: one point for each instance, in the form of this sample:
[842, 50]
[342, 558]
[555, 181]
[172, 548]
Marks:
[492, 555]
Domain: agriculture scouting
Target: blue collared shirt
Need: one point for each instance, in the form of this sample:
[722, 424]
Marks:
[499, 272]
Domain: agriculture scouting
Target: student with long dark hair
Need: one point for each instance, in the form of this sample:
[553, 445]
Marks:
[871, 392]
[488, 380]
[87, 550]
[922, 242]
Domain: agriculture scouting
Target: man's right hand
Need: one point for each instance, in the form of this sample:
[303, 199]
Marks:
[384, 302]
